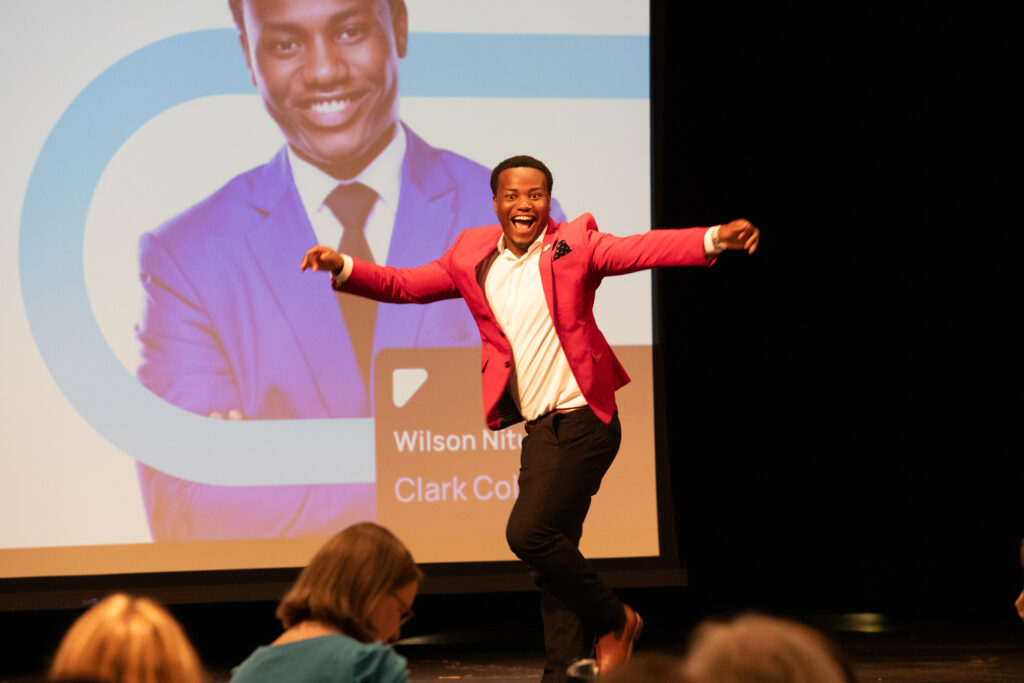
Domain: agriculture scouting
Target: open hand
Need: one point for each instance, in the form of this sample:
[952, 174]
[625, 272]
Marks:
[322, 258]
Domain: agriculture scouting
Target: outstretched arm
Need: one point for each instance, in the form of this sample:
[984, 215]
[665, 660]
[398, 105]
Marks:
[615, 255]
[322, 258]
[421, 285]
[738, 234]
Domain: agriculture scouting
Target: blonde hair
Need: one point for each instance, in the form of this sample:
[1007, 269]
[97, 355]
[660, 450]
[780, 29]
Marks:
[125, 639]
[759, 649]
[346, 578]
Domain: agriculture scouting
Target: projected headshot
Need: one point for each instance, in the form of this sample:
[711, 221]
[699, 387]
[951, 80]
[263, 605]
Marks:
[231, 329]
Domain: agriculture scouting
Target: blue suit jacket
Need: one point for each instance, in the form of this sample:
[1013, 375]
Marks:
[231, 322]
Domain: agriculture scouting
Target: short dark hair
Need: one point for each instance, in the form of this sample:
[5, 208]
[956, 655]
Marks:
[236, 11]
[521, 161]
[346, 578]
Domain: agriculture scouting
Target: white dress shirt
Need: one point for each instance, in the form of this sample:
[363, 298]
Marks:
[383, 175]
[541, 380]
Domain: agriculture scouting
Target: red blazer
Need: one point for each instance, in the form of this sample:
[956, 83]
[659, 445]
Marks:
[569, 283]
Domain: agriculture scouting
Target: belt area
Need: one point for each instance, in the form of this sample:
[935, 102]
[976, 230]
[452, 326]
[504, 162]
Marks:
[530, 424]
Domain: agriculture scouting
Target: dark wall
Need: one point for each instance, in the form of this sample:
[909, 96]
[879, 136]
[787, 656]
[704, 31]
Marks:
[850, 421]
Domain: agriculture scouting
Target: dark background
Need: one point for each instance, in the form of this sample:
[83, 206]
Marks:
[842, 408]
[848, 399]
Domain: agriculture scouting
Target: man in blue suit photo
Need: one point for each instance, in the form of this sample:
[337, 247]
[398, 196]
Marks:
[245, 336]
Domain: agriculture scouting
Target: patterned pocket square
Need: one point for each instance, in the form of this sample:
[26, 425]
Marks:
[561, 249]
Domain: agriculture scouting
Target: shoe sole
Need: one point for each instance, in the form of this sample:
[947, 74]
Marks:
[636, 636]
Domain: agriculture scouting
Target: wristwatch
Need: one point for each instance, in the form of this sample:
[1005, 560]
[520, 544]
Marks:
[716, 242]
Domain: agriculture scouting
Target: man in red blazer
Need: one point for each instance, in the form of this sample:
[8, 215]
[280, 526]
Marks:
[530, 283]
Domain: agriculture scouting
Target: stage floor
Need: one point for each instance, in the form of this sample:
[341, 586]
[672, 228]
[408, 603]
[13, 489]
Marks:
[957, 652]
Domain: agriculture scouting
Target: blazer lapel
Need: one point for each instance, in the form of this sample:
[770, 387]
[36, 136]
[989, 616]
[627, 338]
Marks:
[426, 207]
[424, 226]
[546, 275]
[480, 257]
[304, 301]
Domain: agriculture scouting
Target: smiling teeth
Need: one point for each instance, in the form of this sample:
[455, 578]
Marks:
[329, 107]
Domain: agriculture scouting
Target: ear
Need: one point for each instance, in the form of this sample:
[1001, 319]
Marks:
[400, 23]
[495, 198]
[244, 41]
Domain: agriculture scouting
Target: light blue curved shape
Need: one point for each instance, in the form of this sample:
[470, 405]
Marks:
[70, 165]
[161, 76]
[537, 66]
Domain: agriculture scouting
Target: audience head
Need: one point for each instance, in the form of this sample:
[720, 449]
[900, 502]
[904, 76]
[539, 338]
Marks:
[362, 581]
[761, 649]
[125, 639]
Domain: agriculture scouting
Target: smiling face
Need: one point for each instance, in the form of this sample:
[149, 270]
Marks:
[391, 611]
[522, 204]
[328, 74]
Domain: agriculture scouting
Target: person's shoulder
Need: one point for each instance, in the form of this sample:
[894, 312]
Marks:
[310, 659]
[251, 668]
[462, 169]
[465, 168]
[585, 221]
[365, 661]
[483, 231]
[581, 226]
[481, 234]
[230, 208]
[380, 663]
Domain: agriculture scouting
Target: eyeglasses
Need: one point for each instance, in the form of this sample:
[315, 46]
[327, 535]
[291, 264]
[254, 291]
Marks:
[407, 612]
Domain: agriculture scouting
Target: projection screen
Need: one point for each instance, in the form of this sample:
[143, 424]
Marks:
[126, 303]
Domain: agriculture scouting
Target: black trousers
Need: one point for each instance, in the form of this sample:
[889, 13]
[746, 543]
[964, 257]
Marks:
[564, 457]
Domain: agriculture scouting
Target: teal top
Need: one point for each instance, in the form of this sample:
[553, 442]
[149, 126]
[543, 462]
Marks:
[331, 658]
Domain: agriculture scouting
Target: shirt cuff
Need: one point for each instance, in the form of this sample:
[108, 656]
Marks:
[711, 245]
[346, 270]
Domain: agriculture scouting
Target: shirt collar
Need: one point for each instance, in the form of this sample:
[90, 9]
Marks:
[383, 175]
[534, 246]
